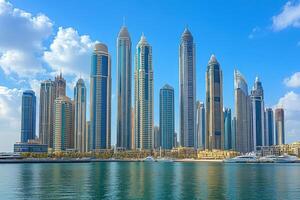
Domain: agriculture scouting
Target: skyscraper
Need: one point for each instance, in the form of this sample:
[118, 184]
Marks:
[233, 133]
[257, 110]
[60, 86]
[269, 127]
[187, 89]
[279, 126]
[89, 135]
[63, 124]
[100, 98]
[143, 95]
[124, 89]
[28, 118]
[166, 116]
[132, 129]
[243, 137]
[46, 113]
[156, 138]
[214, 105]
[80, 134]
[227, 129]
[200, 126]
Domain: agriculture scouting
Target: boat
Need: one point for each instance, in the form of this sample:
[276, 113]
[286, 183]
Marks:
[248, 158]
[267, 159]
[149, 159]
[286, 159]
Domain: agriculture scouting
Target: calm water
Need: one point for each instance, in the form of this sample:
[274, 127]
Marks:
[150, 181]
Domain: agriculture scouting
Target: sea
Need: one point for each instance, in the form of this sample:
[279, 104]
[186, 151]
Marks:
[150, 180]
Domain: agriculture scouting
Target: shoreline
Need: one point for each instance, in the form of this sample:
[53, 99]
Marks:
[21, 161]
[92, 160]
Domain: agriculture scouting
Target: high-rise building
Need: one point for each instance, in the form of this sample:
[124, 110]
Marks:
[80, 134]
[60, 86]
[175, 140]
[279, 126]
[28, 118]
[167, 116]
[200, 126]
[269, 127]
[187, 89]
[132, 129]
[89, 135]
[233, 133]
[227, 129]
[143, 100]
[257, 110]
[124, 89]
[156, 138]
[100, 98]
[46, 112]
[214, 105]
[243, 136]
[63, 124]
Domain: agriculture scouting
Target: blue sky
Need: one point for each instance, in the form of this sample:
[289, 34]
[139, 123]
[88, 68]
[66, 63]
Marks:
[260, 38]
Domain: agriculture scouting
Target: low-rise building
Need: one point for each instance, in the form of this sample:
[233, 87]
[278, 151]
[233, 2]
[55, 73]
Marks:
[31, 146]
[277, 150]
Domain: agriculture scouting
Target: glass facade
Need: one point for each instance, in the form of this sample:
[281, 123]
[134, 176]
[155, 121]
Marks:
[46, 112]
[28, 118]
[124, 139]
[243, 134]
[269, 127]
[227, 129]
[30, 147]
[166, 117]
[100, 98]
[187, 90]
[80, 133]
[143, 98]
[258, 122]
[214, 105]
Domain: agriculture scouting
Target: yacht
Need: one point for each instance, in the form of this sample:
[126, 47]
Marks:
[149, 159]
[286, 159]
[269, 158]
[248, 158]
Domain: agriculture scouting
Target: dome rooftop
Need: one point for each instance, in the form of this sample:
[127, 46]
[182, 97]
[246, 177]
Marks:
[101, 47]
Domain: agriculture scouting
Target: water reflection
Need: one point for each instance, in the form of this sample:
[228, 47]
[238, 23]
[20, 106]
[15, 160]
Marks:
[130, 180]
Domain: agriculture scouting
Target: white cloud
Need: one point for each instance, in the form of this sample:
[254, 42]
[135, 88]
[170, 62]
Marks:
[21, 63]
[293, 81]
[289, 17]
[254, 32]
[21, 40]
[70, 52]
[290, 102]
[10, 114]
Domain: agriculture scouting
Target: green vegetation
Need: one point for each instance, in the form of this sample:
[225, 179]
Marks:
[180, 153]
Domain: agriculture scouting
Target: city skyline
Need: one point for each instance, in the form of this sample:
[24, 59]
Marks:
[159, 75]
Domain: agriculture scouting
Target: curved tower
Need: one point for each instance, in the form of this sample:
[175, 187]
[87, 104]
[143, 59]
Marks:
[124, 89]
[187, 89]
[242, 112]
[214, 105]
[143, 76]
[100, 98]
